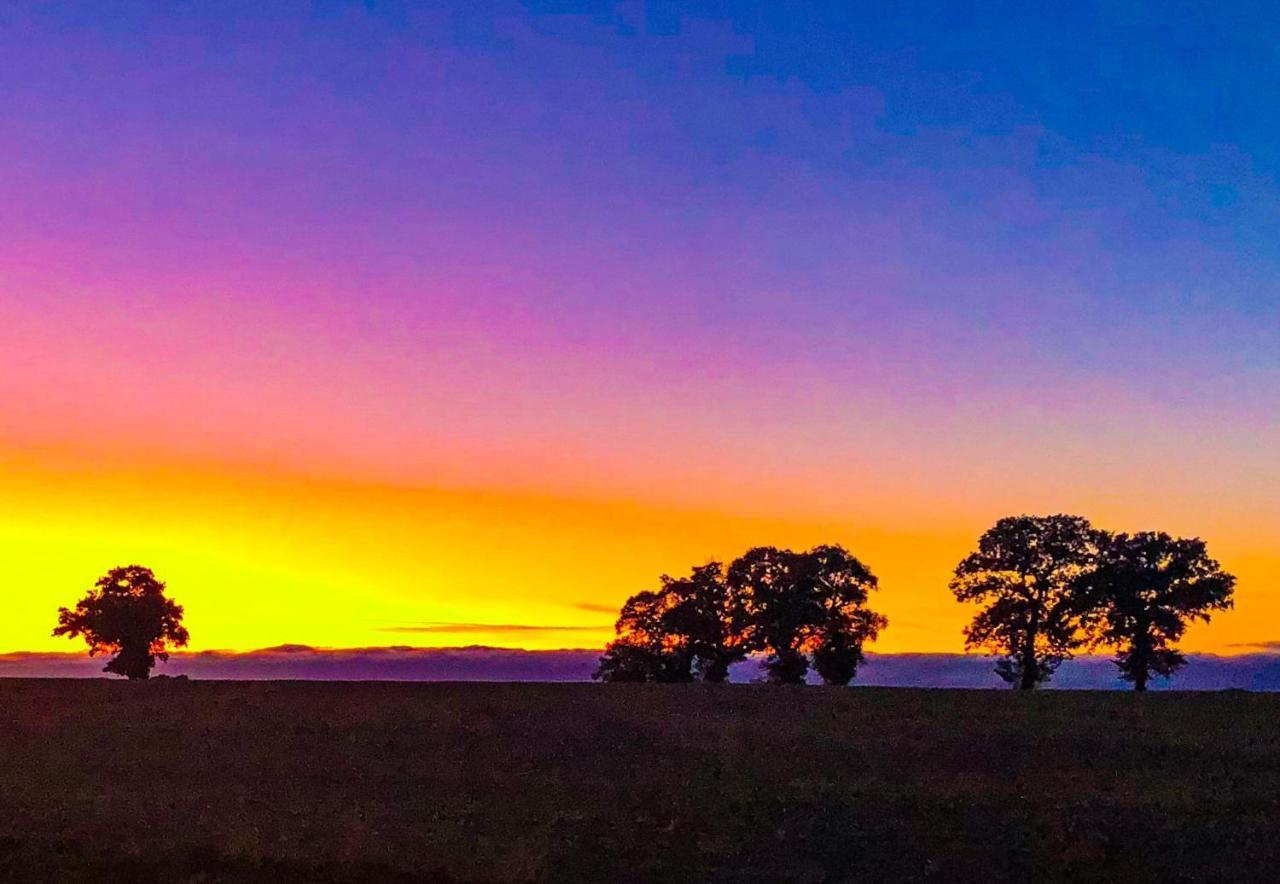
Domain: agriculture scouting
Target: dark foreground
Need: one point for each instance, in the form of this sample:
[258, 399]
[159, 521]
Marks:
[224, 781]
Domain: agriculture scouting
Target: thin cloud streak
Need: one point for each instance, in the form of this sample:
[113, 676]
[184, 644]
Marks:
[468, 628]
[594, 608]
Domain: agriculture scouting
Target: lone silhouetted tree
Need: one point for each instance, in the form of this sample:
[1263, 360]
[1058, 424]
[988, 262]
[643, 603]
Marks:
[806, 605]
[1024, 572]
[692, 627]
[126, 614]
[1145, 590]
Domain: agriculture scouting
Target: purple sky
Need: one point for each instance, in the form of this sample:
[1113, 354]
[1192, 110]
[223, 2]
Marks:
[876, 274]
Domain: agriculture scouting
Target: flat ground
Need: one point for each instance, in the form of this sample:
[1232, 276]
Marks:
[280, 781]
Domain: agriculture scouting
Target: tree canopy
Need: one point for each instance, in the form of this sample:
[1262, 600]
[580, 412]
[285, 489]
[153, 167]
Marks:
[690, 627]
[1141, 595]
[1024, 573]
[126, 614]
[796, 608]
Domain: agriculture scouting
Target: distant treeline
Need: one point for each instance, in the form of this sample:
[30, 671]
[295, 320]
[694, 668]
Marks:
[1047, 587]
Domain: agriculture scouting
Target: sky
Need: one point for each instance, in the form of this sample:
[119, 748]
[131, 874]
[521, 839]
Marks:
[438, 324]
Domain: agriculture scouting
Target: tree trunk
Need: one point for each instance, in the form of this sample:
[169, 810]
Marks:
[788, 667]
[715, 670]
[1028, 665]
[1140, 658]
[134, 661]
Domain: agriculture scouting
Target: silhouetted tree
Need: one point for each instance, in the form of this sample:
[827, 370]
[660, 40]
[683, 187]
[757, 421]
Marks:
[843, 586]
[693, 627]
[710, 618]
[643, 651]
[126, 614]
[780, 609]
[628, 660]
[1024, 572]
[806, 604]
[1144, 591]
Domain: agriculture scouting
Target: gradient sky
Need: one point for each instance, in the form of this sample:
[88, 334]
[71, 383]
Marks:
[439, 324]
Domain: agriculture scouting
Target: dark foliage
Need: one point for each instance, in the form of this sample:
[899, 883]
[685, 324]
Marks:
[841, 589]
[1144, 591]
[794, 607]
[693, 627]
[779, 610]
[627, 659]
[1024, 573]
[807, 606]
[126, 614]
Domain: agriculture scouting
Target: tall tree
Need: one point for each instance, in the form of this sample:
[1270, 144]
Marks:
[1024, 572]
[807, 605]
[1145, 590]
[126, 614]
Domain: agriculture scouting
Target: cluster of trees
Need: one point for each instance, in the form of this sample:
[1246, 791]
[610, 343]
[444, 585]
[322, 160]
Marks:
[1052, 586]
[797, 609]
[1048, 587]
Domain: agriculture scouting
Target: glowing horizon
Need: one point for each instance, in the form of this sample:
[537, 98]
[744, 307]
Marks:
[260, 558]
[353, 319]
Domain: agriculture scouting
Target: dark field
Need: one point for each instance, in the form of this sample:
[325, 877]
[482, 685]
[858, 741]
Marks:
[224, 781]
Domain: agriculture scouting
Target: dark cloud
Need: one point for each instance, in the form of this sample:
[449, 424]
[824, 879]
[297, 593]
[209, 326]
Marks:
[1259, 672]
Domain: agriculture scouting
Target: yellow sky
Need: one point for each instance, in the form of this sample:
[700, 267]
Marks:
[261, 558]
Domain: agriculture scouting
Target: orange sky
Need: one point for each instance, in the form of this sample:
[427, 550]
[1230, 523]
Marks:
[262, 557]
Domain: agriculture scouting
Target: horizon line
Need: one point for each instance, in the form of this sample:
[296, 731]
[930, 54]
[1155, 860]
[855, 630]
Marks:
[1248, 649]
